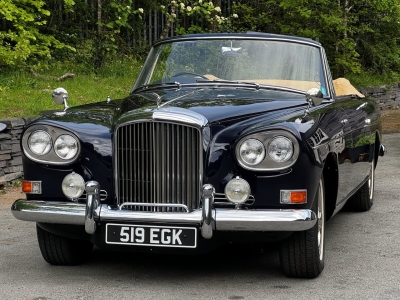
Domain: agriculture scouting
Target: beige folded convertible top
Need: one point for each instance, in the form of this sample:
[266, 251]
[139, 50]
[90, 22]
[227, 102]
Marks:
[343, 87]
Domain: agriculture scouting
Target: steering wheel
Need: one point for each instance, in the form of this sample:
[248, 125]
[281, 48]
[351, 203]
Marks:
[189, 73]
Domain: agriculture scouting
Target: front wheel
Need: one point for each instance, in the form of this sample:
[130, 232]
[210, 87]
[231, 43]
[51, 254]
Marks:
[60, 250]
[302, 255]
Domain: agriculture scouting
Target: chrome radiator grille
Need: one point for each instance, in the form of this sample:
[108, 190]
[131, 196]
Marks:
[158, 163]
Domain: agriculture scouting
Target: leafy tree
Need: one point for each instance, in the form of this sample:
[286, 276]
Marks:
[23, 40]
[357, 34]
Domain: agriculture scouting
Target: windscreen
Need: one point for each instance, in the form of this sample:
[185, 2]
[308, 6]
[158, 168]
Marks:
[277, 63]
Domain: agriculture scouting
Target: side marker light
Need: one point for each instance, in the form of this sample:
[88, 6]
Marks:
[293, 196]
[32, 187]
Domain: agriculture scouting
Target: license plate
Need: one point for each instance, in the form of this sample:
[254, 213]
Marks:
[155, 236]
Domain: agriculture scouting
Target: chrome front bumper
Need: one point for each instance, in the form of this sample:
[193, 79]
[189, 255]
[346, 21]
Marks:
[207, 218]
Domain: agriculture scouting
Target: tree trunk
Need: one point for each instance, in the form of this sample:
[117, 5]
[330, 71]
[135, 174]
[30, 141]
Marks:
[168, 24]
[99, 9]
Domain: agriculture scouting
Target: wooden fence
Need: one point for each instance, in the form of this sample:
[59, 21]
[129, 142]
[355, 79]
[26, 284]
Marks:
[148, 30]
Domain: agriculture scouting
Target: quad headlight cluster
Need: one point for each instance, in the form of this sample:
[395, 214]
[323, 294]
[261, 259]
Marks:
[49, 144]
[267, 151]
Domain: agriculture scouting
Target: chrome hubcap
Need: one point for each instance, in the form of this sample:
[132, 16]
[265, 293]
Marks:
[321, 221]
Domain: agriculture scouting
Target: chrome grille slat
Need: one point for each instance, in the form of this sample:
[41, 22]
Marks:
[158, 163]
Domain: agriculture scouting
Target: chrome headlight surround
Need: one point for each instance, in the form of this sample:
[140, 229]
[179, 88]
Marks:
[51, 156]
[269, 164]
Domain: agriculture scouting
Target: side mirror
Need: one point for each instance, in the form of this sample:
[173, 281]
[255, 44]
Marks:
[60, 96]
[314, 96]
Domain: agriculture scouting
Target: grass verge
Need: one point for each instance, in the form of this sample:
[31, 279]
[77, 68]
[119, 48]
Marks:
[23, 94]
[372, 79]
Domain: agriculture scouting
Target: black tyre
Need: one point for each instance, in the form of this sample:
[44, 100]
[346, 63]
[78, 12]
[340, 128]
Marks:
[59, 250]
[302, 255]
[363, 199]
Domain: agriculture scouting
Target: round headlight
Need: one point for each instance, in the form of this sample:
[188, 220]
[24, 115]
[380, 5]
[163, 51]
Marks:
[280, 149]
[73, 186]
[237, 190]
[66, 146]
[39, 142]
[252, 152]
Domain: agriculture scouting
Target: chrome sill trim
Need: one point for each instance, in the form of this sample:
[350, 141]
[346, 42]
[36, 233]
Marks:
[225, 219]
[49, 212]
[265, 220]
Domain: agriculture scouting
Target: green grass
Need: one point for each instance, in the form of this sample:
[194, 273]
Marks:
[22, 94]
[371, 79]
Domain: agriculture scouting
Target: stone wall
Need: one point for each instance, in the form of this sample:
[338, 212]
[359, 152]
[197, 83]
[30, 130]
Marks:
[387, 97]
[10, 150]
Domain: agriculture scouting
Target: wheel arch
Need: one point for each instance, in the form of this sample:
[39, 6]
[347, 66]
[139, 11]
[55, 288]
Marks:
[331, 180]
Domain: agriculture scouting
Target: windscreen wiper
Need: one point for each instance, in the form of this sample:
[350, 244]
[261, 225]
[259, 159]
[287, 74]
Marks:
[174, 84]
[218, 84]
[255, 85]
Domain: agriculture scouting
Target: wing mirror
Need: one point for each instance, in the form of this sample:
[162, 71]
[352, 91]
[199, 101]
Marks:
[314, 97]
[60, 96]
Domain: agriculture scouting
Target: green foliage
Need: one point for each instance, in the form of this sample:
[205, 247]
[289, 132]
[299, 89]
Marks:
[197, 17]
[358, 35]
[117, 18]
[24, 41]
[366, 79]
[15, 183]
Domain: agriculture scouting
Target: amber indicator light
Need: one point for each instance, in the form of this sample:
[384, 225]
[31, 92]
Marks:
[298, 197]
[26, 186]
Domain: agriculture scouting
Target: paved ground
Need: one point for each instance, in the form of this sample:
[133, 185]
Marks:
[362, 261]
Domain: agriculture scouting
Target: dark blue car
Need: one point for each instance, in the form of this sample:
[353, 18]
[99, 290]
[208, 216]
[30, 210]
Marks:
[223, 138]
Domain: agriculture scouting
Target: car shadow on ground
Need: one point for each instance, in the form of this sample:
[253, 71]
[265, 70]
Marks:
[262, 259]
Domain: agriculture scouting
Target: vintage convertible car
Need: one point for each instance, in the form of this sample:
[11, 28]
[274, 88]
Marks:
[223, 138]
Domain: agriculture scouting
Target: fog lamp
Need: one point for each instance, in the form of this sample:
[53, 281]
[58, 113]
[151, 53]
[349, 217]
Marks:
[73, 186]
[237, 190]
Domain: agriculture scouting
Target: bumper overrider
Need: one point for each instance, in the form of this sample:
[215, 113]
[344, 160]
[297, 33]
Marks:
[209, 219]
